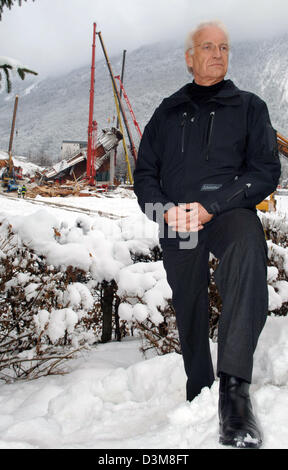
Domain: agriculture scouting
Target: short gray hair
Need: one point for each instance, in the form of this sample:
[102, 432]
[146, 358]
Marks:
[189, 43]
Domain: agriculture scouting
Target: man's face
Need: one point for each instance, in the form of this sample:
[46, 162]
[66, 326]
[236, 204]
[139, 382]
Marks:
[211, 55]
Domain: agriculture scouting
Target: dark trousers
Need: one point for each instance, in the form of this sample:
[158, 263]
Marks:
[237, 239]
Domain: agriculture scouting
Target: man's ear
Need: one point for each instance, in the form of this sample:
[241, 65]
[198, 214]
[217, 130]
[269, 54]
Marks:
[189, 58]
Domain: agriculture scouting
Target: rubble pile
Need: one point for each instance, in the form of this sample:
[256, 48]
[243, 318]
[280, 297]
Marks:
[58, 190]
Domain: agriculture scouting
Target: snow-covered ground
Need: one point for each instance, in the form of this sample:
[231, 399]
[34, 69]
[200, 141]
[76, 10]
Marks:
[113, 398]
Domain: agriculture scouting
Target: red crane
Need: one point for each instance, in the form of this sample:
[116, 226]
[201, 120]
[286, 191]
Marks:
[129, 106]
[92, 126]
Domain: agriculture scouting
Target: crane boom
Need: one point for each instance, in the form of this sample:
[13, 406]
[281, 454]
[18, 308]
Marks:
[92, 125]
[129, 106]
[282, 145]
[132, 149]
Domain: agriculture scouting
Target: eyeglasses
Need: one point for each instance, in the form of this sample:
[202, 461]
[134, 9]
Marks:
[209, 47]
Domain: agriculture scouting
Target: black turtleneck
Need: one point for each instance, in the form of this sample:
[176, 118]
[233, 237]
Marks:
[200, 94]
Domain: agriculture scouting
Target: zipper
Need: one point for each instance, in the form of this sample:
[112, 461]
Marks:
[247, 186]
[183, 124]
[209, 135]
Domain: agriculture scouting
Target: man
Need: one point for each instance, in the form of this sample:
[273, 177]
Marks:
[208, 156]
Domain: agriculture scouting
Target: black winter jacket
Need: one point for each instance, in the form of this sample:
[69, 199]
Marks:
[224, 155]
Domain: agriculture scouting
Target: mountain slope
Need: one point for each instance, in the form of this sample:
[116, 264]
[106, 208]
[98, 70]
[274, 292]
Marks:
[56, 108]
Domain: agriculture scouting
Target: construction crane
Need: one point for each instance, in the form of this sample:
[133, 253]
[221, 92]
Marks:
[92, 125]
[92, 155]
[115, 90]
[282, 145]
[129, 106]
[269, 204]
[8, 176]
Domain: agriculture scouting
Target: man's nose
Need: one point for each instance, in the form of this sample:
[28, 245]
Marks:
[217, 52]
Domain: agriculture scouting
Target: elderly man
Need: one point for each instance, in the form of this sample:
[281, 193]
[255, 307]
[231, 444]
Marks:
[208, 156]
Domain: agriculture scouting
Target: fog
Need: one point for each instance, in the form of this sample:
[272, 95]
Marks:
[53, 36]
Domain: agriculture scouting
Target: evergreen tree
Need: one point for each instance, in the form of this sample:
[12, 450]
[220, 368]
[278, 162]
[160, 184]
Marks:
[9, 4]
[6, 65]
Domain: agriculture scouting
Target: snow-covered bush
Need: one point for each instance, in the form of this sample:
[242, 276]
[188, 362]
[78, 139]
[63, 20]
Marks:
[276, 229]
[42, 310]
[153, 315]
[57, 285]
[65, 287]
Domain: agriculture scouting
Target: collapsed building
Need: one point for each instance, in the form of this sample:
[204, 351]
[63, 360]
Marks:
[73, 167]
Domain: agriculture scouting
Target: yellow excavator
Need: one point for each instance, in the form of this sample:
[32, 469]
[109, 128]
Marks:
[269, 204]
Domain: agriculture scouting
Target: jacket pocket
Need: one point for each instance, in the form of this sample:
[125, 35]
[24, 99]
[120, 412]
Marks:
[242, 190]
[183, 126]
[209, 133]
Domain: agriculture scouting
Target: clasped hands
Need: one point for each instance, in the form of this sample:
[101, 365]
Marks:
[190, 217]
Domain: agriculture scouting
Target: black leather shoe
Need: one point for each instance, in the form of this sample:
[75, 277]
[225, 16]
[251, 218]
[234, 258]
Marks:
[238, 427]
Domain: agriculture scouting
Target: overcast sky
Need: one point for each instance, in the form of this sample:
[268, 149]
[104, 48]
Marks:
[55, 36]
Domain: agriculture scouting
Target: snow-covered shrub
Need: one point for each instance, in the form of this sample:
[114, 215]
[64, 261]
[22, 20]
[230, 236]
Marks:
[55, 305]
[154, 316]
[146, 305]
[42, 309]
[275, 226]
[66, 287]
[162, 338]
[276, 230]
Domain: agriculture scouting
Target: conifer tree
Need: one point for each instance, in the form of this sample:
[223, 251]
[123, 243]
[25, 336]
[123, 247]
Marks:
[8, 4]
[5, 65]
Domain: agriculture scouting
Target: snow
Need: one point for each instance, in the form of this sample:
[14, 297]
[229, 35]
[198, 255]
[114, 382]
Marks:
[147, 281]
[112, 397]
[27, 167]
[28, 90]
[14, 63]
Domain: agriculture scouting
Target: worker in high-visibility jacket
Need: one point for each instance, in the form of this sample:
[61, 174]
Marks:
[23, 190]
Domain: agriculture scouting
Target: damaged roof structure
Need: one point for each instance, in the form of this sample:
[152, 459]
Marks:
[74, 167]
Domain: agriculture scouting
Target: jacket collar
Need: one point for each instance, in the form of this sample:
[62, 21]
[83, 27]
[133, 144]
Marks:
[228, 95]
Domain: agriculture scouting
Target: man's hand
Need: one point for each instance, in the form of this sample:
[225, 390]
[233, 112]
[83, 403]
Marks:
[189, 217]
